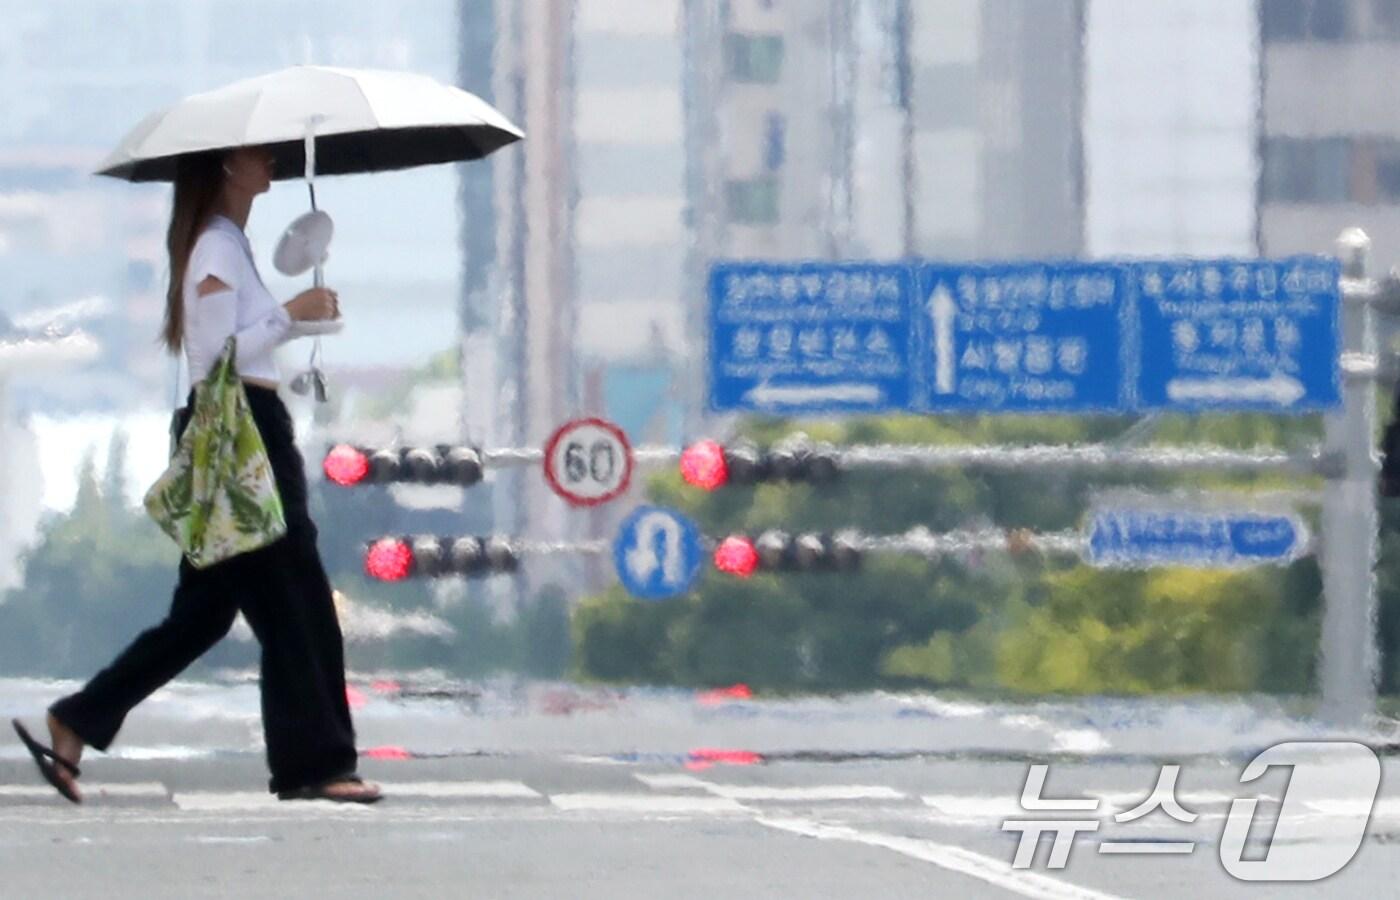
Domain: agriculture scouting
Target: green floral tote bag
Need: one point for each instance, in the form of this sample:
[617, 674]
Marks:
[218, 498]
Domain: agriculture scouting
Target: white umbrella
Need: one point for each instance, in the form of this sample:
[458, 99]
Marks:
[364, 120]
[317, 120]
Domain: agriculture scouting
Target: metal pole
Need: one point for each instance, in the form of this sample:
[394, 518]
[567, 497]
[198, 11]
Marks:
[1348, 663]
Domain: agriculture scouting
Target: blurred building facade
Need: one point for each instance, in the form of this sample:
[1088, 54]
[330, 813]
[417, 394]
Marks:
[1330, 147]
[1171, 121]
[665, 134]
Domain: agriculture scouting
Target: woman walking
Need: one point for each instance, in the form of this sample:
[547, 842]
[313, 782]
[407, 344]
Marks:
[282, 588]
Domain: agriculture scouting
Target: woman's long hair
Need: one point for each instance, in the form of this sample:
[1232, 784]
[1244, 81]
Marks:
[198, 180]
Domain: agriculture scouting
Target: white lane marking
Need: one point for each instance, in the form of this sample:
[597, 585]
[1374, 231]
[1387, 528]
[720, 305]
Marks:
[213, 801]
[1125, 800]
[1079, 740]
[429, 790]
[827, 792]
[233, 801]
[161, 751]
[1144, 847]
[206, 801]
[956, 859]
[137, 789]
[1384, 808]
[646, 803]
[671, 781]
[972, 806]
[813, 793]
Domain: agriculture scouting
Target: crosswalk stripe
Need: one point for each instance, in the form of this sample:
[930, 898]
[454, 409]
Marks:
[816, 793]
[216, 801]
[672, 781]
[429, 790]
[813, 793]
[645, 803]
[137, 789]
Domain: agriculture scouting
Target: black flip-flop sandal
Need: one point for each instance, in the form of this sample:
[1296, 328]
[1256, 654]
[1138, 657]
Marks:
[42, 756]
[318, 792]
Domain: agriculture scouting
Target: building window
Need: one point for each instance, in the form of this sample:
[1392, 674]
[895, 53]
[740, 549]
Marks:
[1285, 20]
[774, 142]
[753, 202]
[753, 57]
[1387, 157]
[1303, 20]
[1330, 20]
[1385, 18]
[1307, 170]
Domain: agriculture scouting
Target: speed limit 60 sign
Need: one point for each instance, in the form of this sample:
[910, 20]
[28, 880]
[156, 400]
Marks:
[588, 462]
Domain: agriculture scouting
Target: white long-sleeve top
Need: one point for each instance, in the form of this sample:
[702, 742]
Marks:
[245, 310]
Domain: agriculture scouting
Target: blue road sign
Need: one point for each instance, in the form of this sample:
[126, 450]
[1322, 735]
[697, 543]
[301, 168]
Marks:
[817, 338]
[1131, 537]
[1244, 334]
[811, 337]
[657, 553]
[1022, 338]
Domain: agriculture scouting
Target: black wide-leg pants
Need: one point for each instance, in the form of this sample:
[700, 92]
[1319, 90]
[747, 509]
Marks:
[285, 596]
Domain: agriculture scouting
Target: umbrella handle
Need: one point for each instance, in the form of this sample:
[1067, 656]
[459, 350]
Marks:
[310, 139]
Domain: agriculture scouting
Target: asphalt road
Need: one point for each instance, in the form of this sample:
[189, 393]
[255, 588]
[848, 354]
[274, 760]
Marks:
[657, 796]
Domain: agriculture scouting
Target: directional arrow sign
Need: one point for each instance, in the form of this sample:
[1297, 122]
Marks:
[1022, 337]
[942, 308]
[1239, 334]
[1276, 390]
[658, 553]
[770, 396]
[1136, 537]
[812, 338]
[1068, 337]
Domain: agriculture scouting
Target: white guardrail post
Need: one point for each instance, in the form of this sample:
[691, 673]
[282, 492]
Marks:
[1348, 664]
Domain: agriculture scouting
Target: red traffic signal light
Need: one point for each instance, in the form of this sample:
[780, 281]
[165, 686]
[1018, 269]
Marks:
[736, 555]
[703, 465]
[345, 465]
[389, 559]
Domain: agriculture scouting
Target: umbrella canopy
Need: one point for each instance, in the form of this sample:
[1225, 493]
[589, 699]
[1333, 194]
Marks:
[365, 120]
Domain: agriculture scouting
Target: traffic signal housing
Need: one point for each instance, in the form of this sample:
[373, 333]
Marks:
[709, 465]
[778, 551]
[432, 556]
[349, 465]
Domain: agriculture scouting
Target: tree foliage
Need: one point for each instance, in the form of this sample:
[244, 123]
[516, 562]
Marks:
[978, 621]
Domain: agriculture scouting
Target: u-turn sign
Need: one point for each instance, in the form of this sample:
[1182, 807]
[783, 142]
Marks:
[658, 553]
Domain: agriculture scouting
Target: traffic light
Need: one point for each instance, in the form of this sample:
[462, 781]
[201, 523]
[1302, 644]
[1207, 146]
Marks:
[348, 465]
[430, 556]
[710, 466]
[736, 556]
[778, 551]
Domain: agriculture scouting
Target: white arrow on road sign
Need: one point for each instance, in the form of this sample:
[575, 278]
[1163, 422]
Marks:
[1278, 388]
[806, 395]
[641, 558]
[943, 308]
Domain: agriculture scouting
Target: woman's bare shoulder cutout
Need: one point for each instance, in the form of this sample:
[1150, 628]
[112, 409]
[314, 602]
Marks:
[211, 285]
